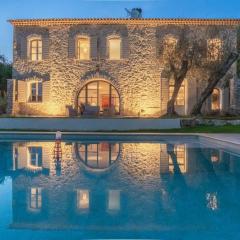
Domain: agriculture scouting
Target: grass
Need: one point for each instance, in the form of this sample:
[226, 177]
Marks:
[198, 129]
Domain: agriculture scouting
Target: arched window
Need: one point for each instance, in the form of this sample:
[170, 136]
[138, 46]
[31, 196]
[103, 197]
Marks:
[214, 48]
[98, 97]
[35, 48]
[114, 47]
[98, 155]
[215, 100]
[83, 48]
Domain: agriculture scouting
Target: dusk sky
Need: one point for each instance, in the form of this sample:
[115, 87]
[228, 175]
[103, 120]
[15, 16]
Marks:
[108, 8]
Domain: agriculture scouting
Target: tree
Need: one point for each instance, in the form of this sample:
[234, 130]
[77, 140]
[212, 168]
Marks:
[190, 52]
[5, 73]
[181, 51]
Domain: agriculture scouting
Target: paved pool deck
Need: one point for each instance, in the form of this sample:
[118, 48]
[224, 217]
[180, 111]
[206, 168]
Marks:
[224, 137]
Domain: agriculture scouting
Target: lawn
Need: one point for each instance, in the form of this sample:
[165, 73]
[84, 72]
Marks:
[198, 129]
[201, 129]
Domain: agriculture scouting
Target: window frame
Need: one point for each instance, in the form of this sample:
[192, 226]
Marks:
[39, 54]
[78, 47]
[109, 39]
[39, 98]
[183, 86]
[37, 154]
[211, 56]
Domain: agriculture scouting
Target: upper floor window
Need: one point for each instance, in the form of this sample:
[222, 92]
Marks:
[114, 48]
[35, 91]
[180, 101]
[169, 45]
[35, 48]
[214, 48]
[83, 48]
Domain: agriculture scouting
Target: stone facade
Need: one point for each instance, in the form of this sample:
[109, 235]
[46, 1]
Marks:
[138, 76]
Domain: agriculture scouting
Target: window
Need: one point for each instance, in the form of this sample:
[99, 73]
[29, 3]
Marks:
[179, 151]
[35, 49]
[215, 100]
[114, 200]
[82, 199]
[169, 45]
[114, 45]
[83, 48]
[101, 96]
[98, 155]
[35, 157]
[214, 48]
[35, 91]
[35, 199]
[180, 101]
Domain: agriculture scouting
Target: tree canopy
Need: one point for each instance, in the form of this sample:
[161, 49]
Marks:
[5, 73]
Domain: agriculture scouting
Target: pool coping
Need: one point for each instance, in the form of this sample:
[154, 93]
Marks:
[215, 136]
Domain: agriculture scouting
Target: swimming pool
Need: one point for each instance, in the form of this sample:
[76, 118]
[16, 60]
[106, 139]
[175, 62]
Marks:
[164, 187]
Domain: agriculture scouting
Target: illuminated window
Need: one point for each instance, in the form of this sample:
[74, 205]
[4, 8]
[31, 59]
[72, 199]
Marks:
[180, 152]
[214, 48]
[169, 45]
[99, 155]
[180, 101]
[215, 156]
[82, 199]
[35, 91]
[99, 94]
[83, 48]
[114, 45]
[114, 200]
[215, 100]
[35, 49]
[35, 157]
[35, 199]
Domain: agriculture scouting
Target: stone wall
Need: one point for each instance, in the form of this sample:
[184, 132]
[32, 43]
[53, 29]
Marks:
[137, 76]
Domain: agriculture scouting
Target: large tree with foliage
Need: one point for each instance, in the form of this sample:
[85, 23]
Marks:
[5, 73]
[190, 52]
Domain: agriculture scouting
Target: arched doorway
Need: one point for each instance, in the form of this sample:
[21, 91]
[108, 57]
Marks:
[98, 97]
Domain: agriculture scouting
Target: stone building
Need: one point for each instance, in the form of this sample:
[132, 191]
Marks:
[65, 67]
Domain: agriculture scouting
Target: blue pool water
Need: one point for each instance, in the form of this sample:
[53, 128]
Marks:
[118, 187]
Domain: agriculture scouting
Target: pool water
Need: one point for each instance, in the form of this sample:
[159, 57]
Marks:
[118, 187]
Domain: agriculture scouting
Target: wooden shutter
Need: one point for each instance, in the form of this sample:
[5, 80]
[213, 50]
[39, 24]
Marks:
[23, 48]
[45, 47]
[71, 46]
[124, 47]
[94, 42]
[22, 91]
[103, 47]
[46, 91]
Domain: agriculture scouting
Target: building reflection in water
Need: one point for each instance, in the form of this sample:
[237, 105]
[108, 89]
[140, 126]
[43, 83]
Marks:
[143, 188]
[35, 199]
[98, 155]
[82, 199]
